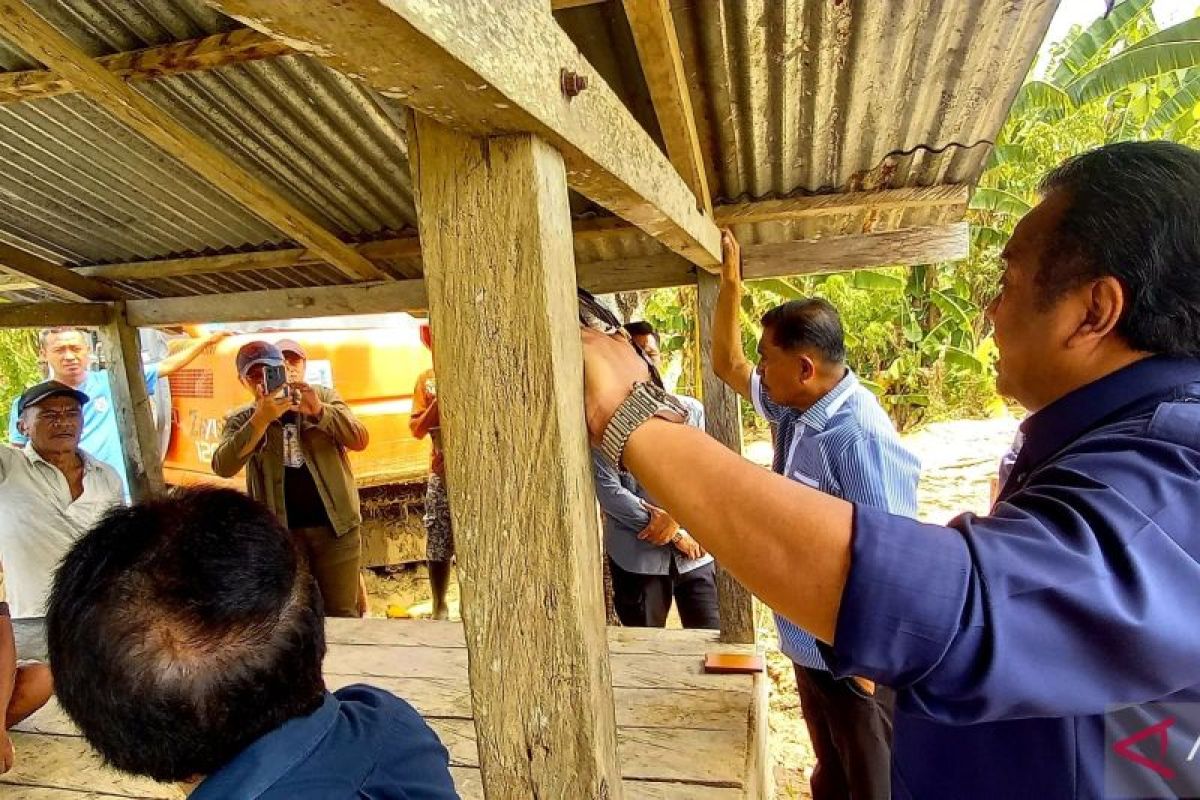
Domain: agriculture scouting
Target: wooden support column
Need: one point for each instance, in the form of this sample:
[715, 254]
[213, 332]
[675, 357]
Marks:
[499, 271]
[723, 419]
[131, 402]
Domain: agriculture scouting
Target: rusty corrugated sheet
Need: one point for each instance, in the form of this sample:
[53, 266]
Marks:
[804, 96]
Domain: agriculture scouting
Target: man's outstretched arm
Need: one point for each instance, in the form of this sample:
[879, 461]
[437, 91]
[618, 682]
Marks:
[729, 362]
[788, 544]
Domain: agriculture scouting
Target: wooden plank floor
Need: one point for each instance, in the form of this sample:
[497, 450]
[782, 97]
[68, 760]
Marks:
[681, 733]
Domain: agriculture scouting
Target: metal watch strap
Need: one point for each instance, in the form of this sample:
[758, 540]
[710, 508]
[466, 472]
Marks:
[645, 401]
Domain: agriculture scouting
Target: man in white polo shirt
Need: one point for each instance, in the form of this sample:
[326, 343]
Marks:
[51, 493]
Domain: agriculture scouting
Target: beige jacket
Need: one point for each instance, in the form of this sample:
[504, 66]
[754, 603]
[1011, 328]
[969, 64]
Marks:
[324, 445]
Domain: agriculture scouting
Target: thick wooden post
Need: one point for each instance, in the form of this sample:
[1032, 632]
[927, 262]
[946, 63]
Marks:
[499, 269]
[131, 403]
[723, 419]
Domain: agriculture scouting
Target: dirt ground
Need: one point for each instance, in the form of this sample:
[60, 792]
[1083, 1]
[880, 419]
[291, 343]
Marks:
[958, 459]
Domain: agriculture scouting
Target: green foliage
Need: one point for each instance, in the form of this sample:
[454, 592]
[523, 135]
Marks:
[919, 337]
[18, 367]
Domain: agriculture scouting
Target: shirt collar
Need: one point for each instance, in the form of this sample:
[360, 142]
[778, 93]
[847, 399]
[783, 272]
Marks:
[35, 457]
[260, 766]
[818, 414]
[1072, 415]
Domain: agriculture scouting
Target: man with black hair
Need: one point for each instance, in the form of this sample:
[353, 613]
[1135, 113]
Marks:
[830, 434]
[187, 637]
[1048, 649]
[642, 334]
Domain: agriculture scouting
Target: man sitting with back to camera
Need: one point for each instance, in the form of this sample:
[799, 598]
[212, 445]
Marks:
[187, 638]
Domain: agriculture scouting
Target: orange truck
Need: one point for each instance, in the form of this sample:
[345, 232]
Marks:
[373, 363]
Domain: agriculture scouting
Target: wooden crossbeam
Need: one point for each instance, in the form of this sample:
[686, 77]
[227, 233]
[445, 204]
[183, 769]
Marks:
[891, 248]
[195, 55]
[377, 297]
[873, 205]
[496, 67]
[662, 64]
[57, 279]
[24, 27]
[47, 315]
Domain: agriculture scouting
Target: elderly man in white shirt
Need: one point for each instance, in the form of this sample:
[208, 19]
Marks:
[51, 493]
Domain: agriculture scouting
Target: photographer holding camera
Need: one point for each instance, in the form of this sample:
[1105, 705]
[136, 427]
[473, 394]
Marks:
[292, 441]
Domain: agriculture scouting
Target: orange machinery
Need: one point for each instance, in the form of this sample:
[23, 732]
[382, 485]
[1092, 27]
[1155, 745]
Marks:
[374, 369]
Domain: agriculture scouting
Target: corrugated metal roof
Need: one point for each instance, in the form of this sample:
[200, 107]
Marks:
[791, 96]
[805, 97]
[79, 185]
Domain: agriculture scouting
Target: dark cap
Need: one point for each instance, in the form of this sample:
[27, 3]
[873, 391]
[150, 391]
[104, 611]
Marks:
[291, 346]
[254, 353]
[44, 391]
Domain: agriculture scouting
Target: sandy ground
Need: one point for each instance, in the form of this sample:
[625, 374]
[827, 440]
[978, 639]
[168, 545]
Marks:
[958, 460]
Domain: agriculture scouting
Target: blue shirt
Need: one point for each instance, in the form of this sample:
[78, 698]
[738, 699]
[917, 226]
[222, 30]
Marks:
[101, 438]
[361, 744]
[620, 497]
[1007, 637]
[844, 445]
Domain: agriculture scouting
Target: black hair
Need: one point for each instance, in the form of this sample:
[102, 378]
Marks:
[182, 629]
[813, 322]
[640, 328]
[1132, 213]
[45, 333]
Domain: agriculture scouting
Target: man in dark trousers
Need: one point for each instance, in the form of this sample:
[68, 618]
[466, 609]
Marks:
[293, 442]
[830, 434]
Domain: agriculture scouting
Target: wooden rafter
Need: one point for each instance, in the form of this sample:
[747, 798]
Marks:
[662, 64]
[45, 315]
[24, 27]
[891, 248]
[494, 68]
[880, 211]
[53, 277]
[194, 55]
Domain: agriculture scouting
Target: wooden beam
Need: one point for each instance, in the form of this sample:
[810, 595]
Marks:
[559, 5]
[662, 64]
[48, 315]
[839, 253]
[510, 385]
[723, 421]
[25, 28]
[396, 247]
[326, 301]
[139, 439]
[195, 55]
[495, 67]
[52, 276]
[878, 208]
[951, 197]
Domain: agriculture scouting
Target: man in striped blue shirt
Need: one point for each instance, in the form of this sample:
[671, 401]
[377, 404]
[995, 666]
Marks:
[830, 434]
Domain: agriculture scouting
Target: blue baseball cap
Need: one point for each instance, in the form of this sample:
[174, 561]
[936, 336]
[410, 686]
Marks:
[254, 353]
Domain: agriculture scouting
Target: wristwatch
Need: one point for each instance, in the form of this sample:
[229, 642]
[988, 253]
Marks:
[645, 401]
